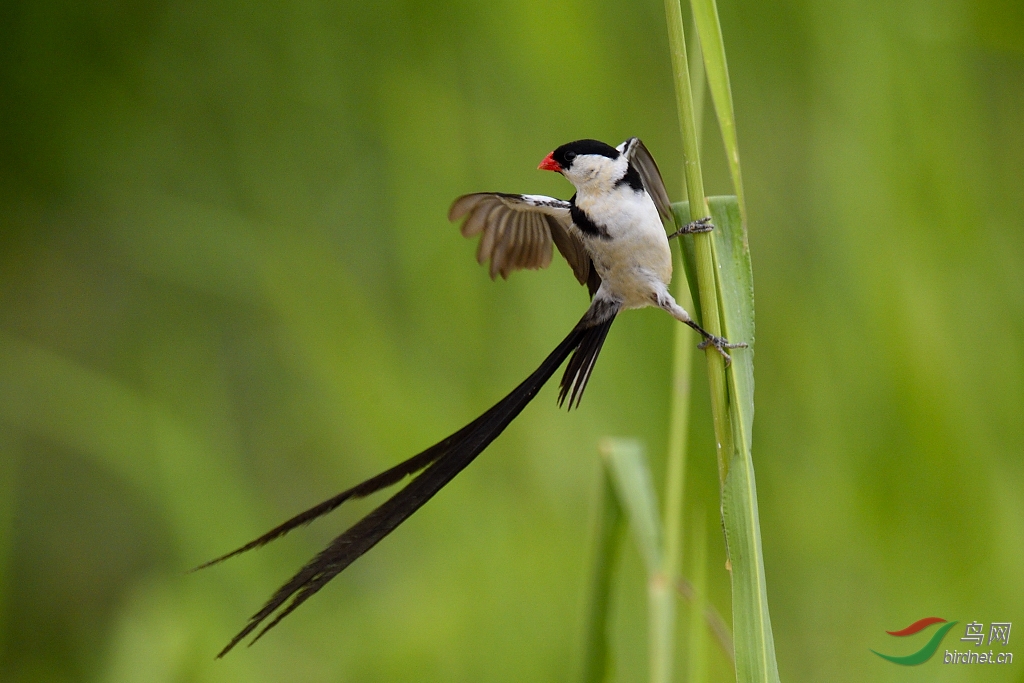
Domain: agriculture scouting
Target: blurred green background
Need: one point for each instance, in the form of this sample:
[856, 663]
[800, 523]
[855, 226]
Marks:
[228, 290]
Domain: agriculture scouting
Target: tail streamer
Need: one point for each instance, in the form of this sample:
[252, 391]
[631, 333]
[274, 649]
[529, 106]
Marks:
[433, 467]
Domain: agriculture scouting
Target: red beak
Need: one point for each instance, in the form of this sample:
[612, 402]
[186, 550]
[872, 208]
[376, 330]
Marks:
[549, 164]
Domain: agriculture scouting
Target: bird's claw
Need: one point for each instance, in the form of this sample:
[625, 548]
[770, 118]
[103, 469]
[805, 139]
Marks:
[721, 344]
[693, 227]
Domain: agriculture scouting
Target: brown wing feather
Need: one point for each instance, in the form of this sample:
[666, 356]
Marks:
[517, 231]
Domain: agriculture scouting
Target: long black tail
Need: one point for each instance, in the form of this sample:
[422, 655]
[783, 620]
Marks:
[439, 464]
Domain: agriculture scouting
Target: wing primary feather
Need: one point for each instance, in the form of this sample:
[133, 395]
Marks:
[527, 256]
[498, 229]
[516, 232]
[541, 225]
[485, 250]
[530, 257]
[477, 220]
[464, 204]
[516, 241]
[439, 464]
[542, 240]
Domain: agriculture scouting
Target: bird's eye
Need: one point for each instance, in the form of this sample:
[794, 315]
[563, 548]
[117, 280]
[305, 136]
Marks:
[569, 156]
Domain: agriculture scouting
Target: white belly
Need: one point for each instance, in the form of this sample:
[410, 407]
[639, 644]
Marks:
[634, 261]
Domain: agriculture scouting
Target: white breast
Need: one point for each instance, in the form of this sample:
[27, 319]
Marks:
[634, 261]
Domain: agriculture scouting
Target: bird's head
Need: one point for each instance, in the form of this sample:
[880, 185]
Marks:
[587, 164]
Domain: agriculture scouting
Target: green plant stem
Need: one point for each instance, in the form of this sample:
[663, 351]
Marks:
[705, 16]
[684, 100]
[675, 486]
[703, 244]
[663, 601]
[662, 595]
[675, 473]
[679, 421]
[697, 77]
[697, 649]
[727, 304]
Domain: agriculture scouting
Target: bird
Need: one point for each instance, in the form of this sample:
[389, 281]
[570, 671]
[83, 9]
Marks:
[612, 234]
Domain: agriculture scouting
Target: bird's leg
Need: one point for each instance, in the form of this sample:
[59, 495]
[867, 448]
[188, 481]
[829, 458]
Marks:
[693, 227]
[720, 343]
[667, 303]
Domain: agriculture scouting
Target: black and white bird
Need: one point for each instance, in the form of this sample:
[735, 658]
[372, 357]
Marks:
[612, 234]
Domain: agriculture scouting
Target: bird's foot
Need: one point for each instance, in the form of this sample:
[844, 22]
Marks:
[693, 227]
[721, 344]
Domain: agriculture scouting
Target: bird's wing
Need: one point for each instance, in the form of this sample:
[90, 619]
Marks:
[518, 230]
[645, 165]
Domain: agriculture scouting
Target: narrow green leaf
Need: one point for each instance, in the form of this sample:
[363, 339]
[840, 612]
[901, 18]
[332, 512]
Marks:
[632, 480]
[754, 643]
[709, 31]
[752, 630]
[736, 285]
[608, 537]
[736, 295]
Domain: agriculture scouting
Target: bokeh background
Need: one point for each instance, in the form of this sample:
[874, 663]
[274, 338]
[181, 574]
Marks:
[228, 290]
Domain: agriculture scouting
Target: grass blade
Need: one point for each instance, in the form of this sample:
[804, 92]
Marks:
[752, 632]
[736, 297]
[752, 629]
[632, 480]
[709, 30]
[609, 538]
[676, 465]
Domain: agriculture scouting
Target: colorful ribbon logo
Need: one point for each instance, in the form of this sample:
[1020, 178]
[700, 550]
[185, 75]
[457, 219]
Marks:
[925, 653]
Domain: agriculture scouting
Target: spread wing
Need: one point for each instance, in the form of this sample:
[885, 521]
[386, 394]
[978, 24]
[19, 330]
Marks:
[518, 230]
[645, 165]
